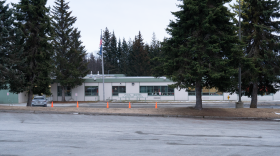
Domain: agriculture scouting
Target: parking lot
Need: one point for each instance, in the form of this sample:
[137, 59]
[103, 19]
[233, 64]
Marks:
[61, 134]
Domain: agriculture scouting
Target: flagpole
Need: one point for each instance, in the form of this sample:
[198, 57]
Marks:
[103, 70]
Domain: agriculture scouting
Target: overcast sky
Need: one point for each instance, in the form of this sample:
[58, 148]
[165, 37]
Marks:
[125, 17]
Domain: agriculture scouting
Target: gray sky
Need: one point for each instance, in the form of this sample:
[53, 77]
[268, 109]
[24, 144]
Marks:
[125, 17]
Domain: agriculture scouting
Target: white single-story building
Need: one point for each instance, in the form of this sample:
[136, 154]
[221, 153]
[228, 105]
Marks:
[121, 87]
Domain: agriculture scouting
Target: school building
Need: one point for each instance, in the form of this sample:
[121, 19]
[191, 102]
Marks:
[119, 87]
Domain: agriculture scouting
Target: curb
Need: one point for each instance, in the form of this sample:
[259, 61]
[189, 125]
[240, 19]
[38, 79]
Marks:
[146, 115]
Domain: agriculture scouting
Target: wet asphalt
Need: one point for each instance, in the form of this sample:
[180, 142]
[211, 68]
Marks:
[65, 134]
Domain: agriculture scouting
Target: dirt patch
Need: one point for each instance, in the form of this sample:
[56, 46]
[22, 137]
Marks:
[265, 113]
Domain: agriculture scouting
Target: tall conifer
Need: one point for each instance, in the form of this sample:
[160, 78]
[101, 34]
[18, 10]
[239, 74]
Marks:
[139, 57]
[10, 48]
[107, 54]
[69, 53]
[114, 54]
[124, 57]
[259, 33]
[201, 51]
[119, 59]
[34, 21]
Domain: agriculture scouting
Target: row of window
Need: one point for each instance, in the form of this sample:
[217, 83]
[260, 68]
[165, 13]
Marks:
[151, 90]
[157, 90]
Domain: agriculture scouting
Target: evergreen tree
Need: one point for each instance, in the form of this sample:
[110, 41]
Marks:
[154, 53]
[77, 69]
[91, 63]
[114, 51]
[147, 49]
[130, 63]
[139, 57]
[124, 57]
[69, 53]
[34, 21]
[202, 50]
[259, 33]
[107, 54]
[119, 52]
[10, 48]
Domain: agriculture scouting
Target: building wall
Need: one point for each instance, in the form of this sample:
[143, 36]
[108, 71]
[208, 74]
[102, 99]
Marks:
[80, 90]
[5, 99]
[276, 96]
[179, 95]
[22, 97]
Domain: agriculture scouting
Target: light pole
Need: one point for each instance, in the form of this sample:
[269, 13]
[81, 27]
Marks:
[239, 104]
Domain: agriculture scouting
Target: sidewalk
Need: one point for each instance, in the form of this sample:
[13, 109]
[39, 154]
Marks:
[209, 113]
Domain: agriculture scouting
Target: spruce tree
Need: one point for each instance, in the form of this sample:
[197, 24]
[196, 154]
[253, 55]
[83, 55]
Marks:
[34, 21]
[77, 69]
[130, 63]
[10, 48]
[107, 54]
[202, 50]
[69, 53]
[154, 52]
[124, 57]
[119, 52]
[259, 33]
[114, 54]
[139, 58]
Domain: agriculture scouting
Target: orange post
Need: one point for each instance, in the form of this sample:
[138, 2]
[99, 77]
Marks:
[129, 106]
[52, 103]
[77, 104]
[107, 104]
[156, 105]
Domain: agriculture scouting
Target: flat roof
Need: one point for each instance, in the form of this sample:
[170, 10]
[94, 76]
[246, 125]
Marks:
[119, 78]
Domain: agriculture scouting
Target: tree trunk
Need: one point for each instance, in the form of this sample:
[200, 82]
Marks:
[30, 96]
[62, 93]
[198, 90]
[254, 98]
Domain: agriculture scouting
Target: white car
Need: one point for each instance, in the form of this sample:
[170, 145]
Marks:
[39, 101]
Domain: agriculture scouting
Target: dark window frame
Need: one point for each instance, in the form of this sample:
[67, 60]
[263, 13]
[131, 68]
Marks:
[92, 91]
[67, 91]
[120, 89]
[157, 90]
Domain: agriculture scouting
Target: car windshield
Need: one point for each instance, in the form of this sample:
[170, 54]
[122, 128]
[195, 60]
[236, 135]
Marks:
[39, 98]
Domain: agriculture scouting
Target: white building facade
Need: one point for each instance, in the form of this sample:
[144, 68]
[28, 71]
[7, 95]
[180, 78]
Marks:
[119, 88]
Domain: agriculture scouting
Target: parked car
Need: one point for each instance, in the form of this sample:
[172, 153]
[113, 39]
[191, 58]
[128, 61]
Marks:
[39, 101]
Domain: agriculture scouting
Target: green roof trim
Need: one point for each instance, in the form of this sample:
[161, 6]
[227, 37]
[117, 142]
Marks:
[118, 80]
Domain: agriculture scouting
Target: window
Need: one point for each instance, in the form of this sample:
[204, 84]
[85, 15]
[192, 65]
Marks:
[118, 89]
[91, 90]
[157, 90]
[206, 92]
[67, 91]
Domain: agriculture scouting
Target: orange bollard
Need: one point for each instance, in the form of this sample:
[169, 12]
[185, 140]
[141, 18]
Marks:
[77, 104]
[107, 104]
[52, 103]
[129, 106]
[156, 105]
